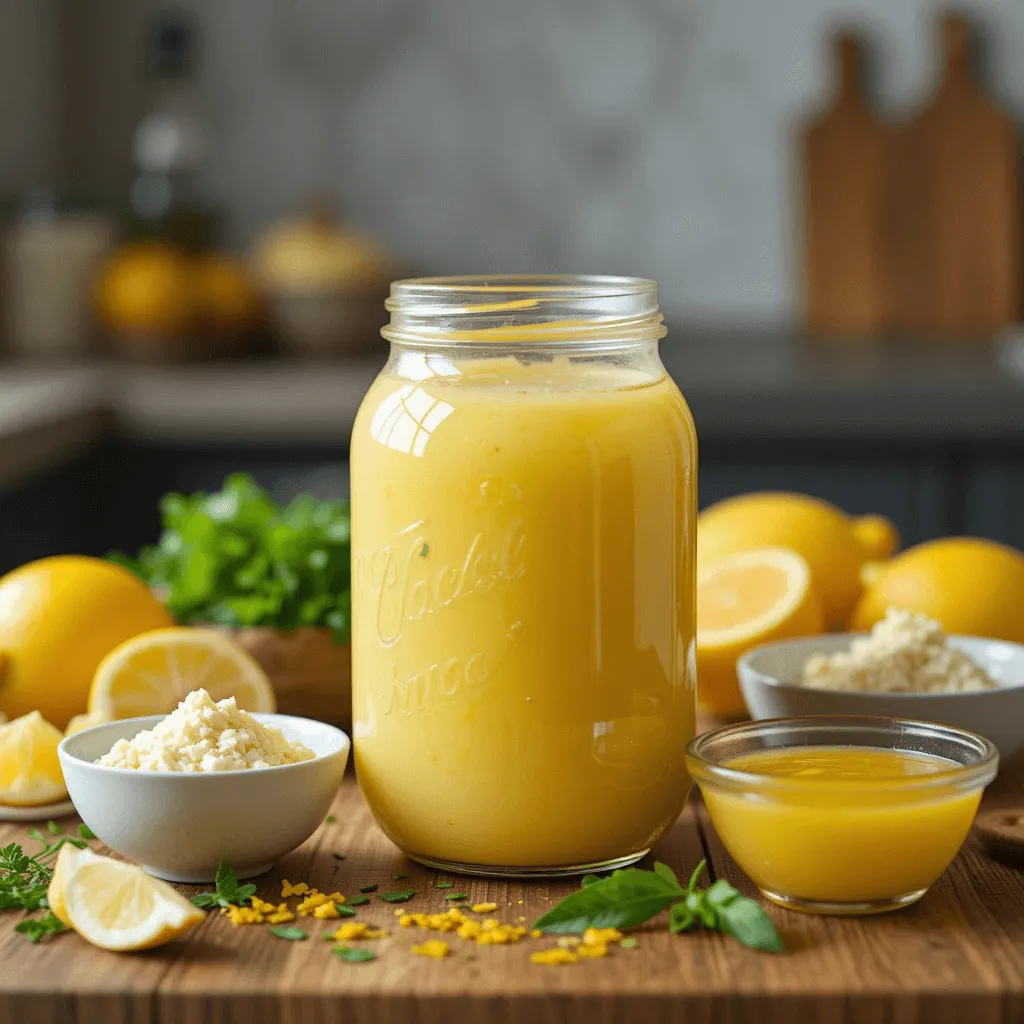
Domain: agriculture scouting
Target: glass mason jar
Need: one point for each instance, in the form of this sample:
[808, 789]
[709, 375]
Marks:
[524, 481]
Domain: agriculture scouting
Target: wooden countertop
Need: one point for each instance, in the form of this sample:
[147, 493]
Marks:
[956, 956]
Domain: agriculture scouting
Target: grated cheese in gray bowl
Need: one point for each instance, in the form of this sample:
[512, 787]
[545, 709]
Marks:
[904, 653]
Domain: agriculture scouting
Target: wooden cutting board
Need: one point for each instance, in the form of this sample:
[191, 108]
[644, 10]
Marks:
[954, 220]
[844, 168]
[912, 228]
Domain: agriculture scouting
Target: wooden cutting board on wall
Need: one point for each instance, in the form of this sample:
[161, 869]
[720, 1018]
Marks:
[956, 166]
[844, 155]
[913, 228]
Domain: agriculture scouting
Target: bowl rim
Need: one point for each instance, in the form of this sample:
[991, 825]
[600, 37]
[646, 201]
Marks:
[745, 663]
[148, 721]
[975, 775]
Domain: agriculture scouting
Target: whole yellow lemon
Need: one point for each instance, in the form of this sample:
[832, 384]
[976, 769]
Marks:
[146, 290]
[971, 586]
[59, 617]
[823, 535]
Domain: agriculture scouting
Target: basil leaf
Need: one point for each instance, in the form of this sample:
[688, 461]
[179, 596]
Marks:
[696, 903]
[681, 919]
[456, 896]
[352, 955]
[622, 900]
[746, 921]
[356, 901]
[444, 885]
[666, 872]
[372, 887]
[291, 933]
[721, 893]
[204, 899]
[344, 910]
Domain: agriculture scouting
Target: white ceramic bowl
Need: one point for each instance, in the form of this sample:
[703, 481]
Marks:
[181, 825]
[770, 680]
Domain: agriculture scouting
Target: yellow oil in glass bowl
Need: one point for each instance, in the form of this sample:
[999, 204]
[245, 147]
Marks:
[862, 823]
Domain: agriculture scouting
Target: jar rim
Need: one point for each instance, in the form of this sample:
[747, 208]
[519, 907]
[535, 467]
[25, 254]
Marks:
[528, 309]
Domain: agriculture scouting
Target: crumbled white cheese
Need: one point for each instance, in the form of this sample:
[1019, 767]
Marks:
[203, 736]
[905, 653]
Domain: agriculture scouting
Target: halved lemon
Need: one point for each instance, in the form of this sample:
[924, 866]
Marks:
[153, 672]
[116, 905]
[743, 601]
[30, 774]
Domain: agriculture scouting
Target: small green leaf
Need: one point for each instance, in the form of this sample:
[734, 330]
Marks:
[372, 887]
[331, 819]
[37, 928]
[664, 871]
[402, 896]
[345, 909]
[628, 943]
[746, 921]
[589, 880]
[289, 932]
[622, 900]
[456, 896]
[424, 551]
[54, 829]
[356, 901]
[85, 832]
[399, 877]
[721, 893]
[204, 899]
[354, 955]
[444, 885]
[681, 919]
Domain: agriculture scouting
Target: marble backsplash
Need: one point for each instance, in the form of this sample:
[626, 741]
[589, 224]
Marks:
[619, 136]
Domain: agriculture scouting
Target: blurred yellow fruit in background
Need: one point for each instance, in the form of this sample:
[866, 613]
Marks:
[146, 289]
[971, 586]
[877, 536]
[745, 600]
[823, 535]
[222, 296]
[59, 617]
[30, 774]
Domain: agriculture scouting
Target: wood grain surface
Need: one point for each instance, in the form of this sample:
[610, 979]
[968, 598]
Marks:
[956, 956]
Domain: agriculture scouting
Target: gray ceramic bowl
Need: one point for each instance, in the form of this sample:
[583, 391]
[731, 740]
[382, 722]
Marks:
[181, 825]
[770, 680]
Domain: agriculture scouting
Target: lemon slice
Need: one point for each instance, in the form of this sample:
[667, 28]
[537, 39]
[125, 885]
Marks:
[152, 673]
[116, 905]
[30, 774]
[743, 601]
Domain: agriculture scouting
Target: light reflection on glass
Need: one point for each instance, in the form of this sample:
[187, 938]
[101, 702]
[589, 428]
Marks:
[405, 419]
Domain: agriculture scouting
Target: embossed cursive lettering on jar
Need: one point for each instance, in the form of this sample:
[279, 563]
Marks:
[523, 536]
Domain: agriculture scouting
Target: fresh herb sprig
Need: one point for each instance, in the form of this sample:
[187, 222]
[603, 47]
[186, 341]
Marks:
[228, 890]
[632, 896]
[24, 878]
[236, 558]
[36, 928]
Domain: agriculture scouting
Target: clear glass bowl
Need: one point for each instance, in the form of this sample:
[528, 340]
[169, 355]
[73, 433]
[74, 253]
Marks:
[855, 845]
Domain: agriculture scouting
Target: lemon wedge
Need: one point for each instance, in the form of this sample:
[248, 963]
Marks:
[115, 905]
[743, 601]
[30, 774]
[153, 672]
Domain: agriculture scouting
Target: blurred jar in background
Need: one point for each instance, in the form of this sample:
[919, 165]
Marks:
[52, 253]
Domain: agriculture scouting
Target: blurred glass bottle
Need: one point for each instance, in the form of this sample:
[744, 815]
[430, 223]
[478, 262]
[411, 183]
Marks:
[171, 141]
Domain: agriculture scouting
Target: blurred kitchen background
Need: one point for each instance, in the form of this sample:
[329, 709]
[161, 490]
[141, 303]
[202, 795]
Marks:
[202, 205]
